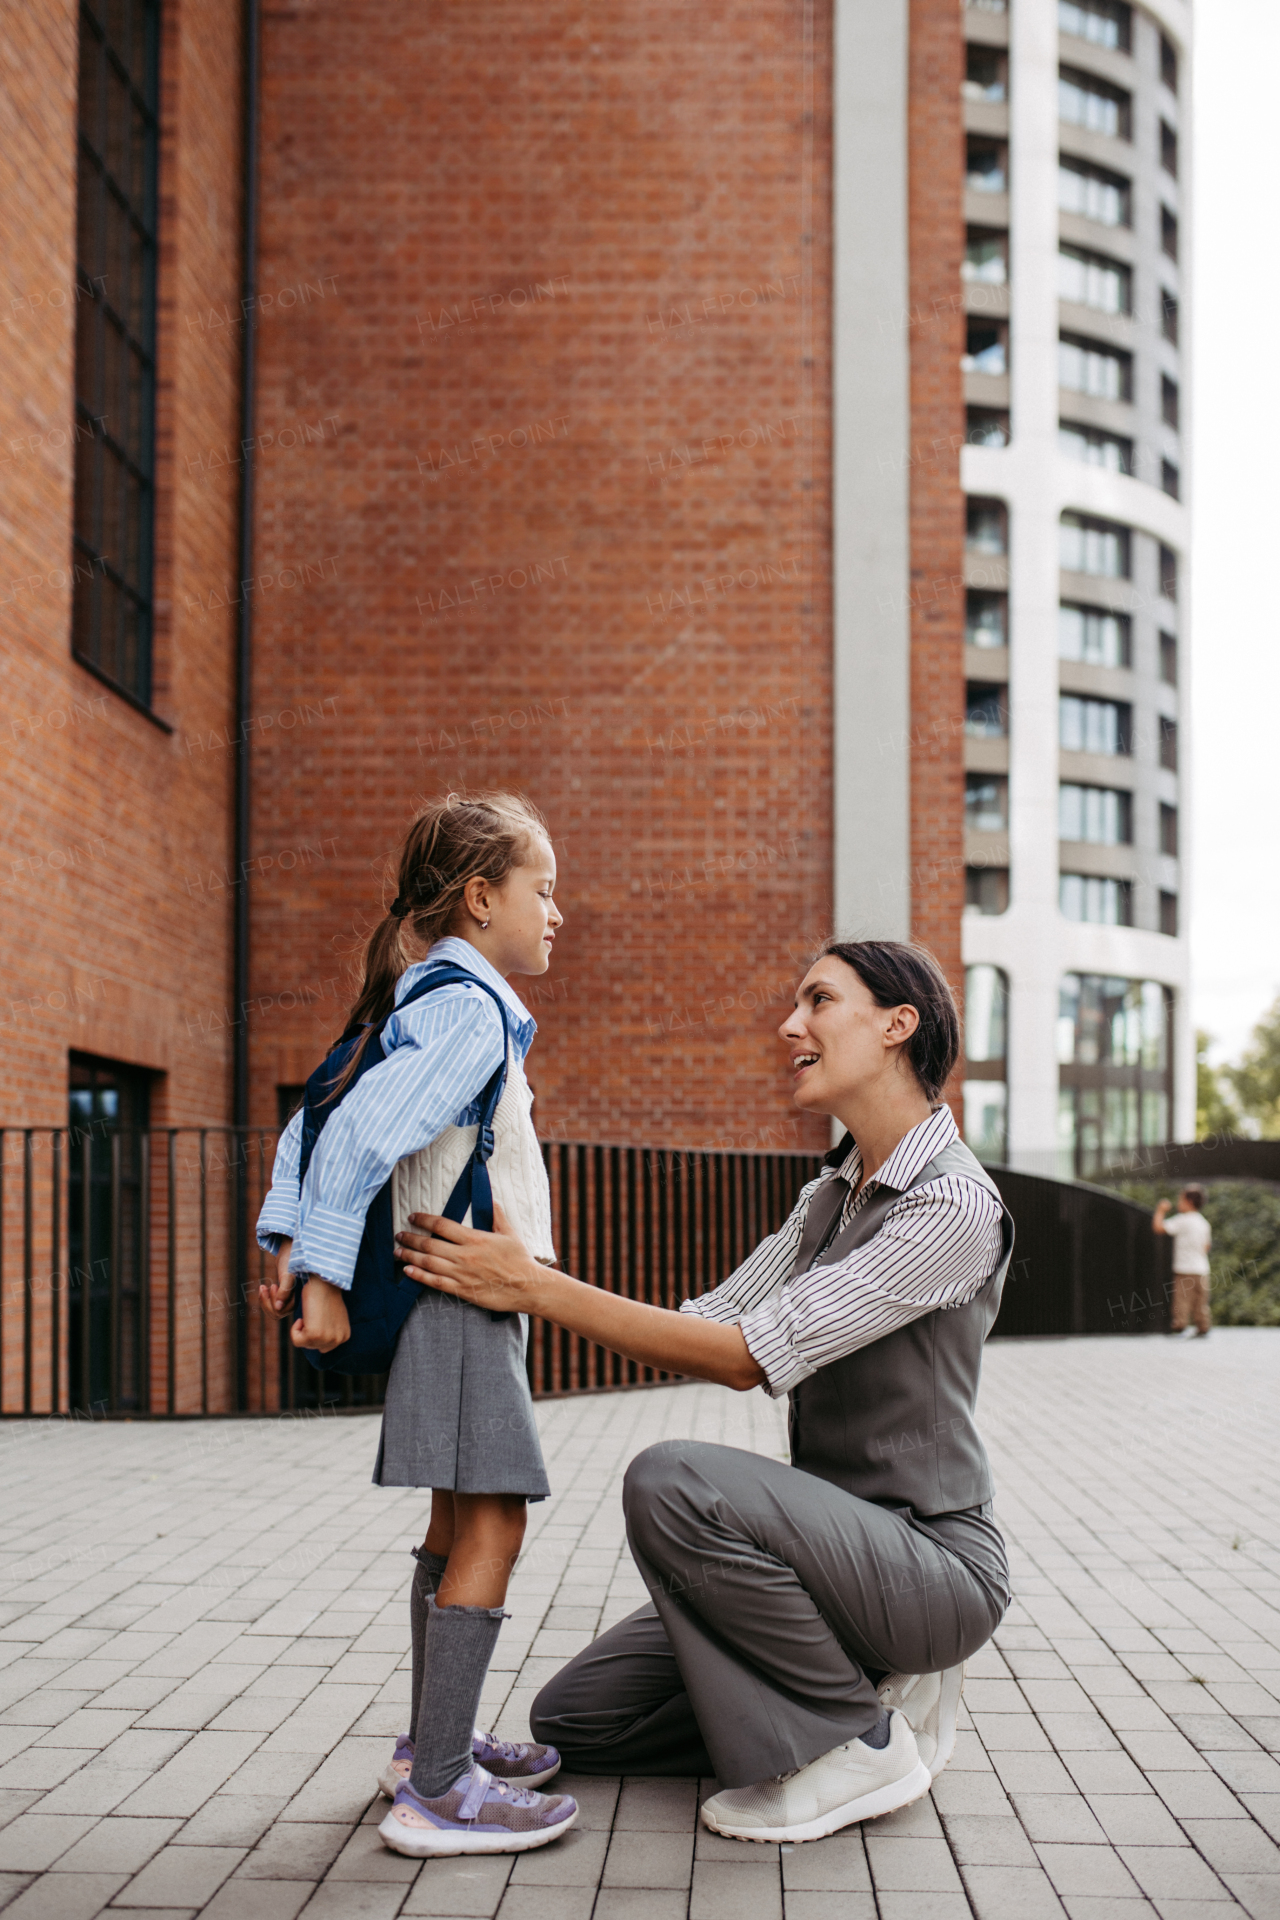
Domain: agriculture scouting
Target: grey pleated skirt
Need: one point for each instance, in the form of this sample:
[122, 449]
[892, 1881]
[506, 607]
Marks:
[458, 1413]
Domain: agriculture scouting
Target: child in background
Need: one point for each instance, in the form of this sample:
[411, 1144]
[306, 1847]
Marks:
[1192, 1237]
[474, 889]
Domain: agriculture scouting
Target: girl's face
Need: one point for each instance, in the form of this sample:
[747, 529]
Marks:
[522, 915]
[838, 1039]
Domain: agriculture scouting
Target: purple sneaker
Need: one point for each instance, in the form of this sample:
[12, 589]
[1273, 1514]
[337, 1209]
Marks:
[521, 1765]
[478, 1815]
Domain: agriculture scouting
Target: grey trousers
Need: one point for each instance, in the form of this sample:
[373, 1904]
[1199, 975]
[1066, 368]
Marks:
[779, 1602]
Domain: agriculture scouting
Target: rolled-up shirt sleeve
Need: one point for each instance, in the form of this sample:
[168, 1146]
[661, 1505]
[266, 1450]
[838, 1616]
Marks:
[278, 1218]
[444, 1050]
[936, 1248]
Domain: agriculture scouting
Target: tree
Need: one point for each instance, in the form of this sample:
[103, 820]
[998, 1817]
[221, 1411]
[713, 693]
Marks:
[1215, 1108]
[1256, 1081]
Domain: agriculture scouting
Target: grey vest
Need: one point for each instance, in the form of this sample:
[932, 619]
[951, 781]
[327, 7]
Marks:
[894, 1421]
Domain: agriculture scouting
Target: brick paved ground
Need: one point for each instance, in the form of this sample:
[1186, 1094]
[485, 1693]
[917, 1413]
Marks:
[202, 1640]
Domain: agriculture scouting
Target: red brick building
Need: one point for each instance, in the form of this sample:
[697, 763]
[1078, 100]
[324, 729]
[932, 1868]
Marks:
[541, 462]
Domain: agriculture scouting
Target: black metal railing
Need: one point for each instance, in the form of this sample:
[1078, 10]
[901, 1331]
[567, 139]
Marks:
[127, 1287]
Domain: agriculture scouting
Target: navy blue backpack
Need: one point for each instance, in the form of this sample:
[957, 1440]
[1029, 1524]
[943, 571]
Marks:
[380, 1299]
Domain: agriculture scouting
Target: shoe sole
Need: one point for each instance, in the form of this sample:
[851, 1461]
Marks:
[390, 1780]
[433, 1843]
[899, 1793]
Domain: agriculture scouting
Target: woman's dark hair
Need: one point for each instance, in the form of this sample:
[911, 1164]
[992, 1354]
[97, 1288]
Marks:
[898, 975]
[455, 839]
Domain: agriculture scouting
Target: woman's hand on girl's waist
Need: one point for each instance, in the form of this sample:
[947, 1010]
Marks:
[494, 1270]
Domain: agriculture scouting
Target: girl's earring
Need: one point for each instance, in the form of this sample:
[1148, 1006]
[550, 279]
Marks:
[483, 925]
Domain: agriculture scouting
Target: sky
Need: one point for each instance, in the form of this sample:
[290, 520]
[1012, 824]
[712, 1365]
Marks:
[1235, 691]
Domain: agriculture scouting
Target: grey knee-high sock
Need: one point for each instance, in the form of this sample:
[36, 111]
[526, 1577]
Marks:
[427, 1576]
[459, 1646]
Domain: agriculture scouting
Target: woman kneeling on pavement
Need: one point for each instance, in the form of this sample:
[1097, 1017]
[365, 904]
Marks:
[808, 1624]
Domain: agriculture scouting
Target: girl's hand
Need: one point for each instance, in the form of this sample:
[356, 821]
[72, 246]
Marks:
[491, 1270]
[275, 1297]
[324, 1324]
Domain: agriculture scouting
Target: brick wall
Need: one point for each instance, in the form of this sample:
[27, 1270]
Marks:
[549, 326]
[104, 945]
[936, 135]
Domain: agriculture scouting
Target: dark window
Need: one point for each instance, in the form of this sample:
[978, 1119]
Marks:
[986, 526]
[1094, 636]
[1169, 744]
[1095, 899]
[1115, 1072]
[986, 619]
[986, 347]
[1094, 726]
[1085, 101]
[986, 802]
[1094, 280]
[1169, 659]
[1168, 830]
[986, 256]
[1094, 194]
[1170, 407]
[288, 1100]
[986, 73]
[1093, 546]
[987, 166]
[1169, 914]
[115, 341]
[987, 426]
[1169, 317]
[986, 711]
[1095, 447]
[986, 889]
[1087, 366]
[1168, 63]
[1169, 233]
[1104, 23]
[1171, 479]
[1169, 573]
[1168, 149]
[109, 1111]
[1099, 816]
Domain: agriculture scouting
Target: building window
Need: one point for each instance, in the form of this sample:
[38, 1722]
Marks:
[1096, 899]
[989, 6]
[986, 619]
[109, 1111]
[986, 75]
[1093, 193]
[986, 347]
[987, 426]
[1168, 744]
[1168, 149]
[986, 526]
[1094, 726]
[1114, 1071]
[986, 890]
[1104, 23]
[986, 257]
[1101, 372]
[1168, 233]
[1168, 63]
[1169, 914]
[1098, 816]
[1169, 830]
[986, 711]
[1095, 448]
[1094, 546]
[1098, 639]
[1170, 402]
[986, 1017]
[1168, 573]
[1084, 101]
[1092, 280]
[987, 166]
[1169, 659]
[986, 803]
[116, 221]
[1169, 317]
[1171, 479]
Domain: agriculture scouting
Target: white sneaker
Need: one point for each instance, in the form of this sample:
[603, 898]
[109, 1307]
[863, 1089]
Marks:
[930, 1702]
[852, 1782]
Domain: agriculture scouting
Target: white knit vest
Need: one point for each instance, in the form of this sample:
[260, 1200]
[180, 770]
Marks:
[423, 1182]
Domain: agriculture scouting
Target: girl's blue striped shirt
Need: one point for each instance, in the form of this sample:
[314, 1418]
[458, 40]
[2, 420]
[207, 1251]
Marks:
[439, 1054]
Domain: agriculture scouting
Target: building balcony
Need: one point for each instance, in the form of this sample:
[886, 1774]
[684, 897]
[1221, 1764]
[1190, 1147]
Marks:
[986, 663]
[1085, 856]
[986, 390]
[987, 209]
[985, 29]
[1100, 149]
[986, 756]
[1114, 596]
[987, 116]
[1116, 329]
[1105, 683]
[982, 296]
[1119, 242]
[986, 570]
[1095, 769]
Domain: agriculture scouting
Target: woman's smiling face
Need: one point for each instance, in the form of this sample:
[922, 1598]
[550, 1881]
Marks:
[838, 1038]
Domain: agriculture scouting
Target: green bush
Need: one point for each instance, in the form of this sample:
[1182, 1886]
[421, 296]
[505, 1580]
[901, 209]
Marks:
[1245, 1257]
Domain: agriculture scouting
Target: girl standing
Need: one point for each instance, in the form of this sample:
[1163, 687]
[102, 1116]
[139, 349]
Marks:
[474, 889]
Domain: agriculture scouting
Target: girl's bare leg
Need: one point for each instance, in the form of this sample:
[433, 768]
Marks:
[440, 1530]
[487, 1533]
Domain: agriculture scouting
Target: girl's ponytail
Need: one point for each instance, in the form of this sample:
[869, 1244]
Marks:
[454, 840]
